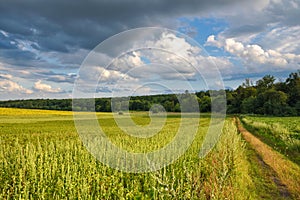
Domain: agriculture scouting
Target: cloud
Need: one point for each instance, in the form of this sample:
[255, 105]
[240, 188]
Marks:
[255, 54]
[61, 78]
[262, 39]
[58, 25]
[39, 86]
[283, 39]
[127, 61]
[48, 40]
[165, 56]
[159, 57]
[55, 77]
[261, 16]
[5, 34]
[5, 76]
[8, 86]
[33, 74]
[212, 41]
[175, 44]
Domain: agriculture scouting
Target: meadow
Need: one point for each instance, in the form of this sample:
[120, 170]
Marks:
[42, 157]
[281, 133]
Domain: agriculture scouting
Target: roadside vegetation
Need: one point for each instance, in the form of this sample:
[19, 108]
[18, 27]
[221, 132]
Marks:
[280, 133]
[284, 173]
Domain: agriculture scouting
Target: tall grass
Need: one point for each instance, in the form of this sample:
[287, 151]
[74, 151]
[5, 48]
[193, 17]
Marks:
[46, 160]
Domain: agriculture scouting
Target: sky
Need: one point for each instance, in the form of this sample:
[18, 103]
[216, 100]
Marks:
[49, 49]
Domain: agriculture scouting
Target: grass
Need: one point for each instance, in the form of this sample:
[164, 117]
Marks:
[280, 133]
[262, 176]
[42, 157]
[287, 172]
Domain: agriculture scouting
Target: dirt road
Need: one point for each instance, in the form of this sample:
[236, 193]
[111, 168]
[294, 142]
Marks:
[287, 173]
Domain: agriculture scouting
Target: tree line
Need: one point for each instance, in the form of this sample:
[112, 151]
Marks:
[265, 97]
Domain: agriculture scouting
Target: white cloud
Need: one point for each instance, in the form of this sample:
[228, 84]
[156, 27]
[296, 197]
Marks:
[45, 87]
[5, 76]
[167, 49]
[165, 58]
[94, 74]
[4, 33]
[272, 24]
[212, 41]
[127, 61]
[233, 46]
[27, 45]
[8, 86]
[222, 63]
[255, 54]
[135, 59]
[283, 39]
[175, 44]
[113, 76]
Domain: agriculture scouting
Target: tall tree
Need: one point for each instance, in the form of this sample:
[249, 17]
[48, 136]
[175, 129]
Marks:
[293, 85]
[267, 82]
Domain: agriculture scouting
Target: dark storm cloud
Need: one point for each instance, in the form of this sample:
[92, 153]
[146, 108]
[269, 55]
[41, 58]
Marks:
[54, 77]
[62, 78]
[5, 43]
[17, 57]
[245, 29]
[286, 12]
[57, 25]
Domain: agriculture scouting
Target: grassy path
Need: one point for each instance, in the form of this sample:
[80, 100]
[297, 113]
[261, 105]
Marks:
[285, 174]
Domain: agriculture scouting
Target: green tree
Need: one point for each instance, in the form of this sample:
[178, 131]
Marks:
[267, 82]
[293, 85]
[275, 102]
[248, 105]
[205, 104]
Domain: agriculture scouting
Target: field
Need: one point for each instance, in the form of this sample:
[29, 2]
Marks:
[42, 157]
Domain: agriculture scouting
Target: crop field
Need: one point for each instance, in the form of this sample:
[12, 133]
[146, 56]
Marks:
[281, 133]
[42, 157]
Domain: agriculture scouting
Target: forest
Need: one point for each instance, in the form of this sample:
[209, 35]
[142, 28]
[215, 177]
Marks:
[267, 96]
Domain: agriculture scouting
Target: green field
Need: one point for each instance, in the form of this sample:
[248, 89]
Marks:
[281, 133]
[42, 157]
